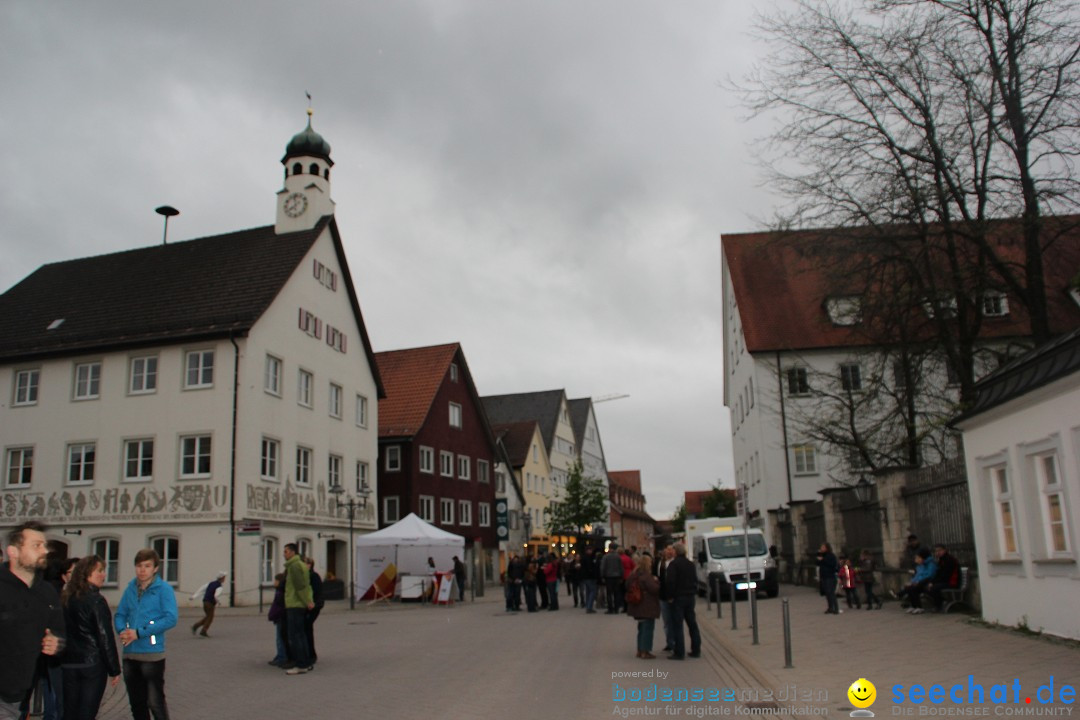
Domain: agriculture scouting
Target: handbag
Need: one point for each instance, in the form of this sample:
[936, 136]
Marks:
[633, 592]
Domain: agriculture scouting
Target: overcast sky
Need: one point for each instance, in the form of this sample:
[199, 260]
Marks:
[543, 181]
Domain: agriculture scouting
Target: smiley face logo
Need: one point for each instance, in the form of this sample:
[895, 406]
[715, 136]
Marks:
[862, 693]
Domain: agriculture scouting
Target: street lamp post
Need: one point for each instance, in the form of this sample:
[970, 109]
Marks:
[351, 505]
[526, 520]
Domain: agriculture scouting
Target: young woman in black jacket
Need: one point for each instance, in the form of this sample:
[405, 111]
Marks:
[91, 655]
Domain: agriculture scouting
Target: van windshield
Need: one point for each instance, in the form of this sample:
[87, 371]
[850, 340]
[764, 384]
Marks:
[732, 546]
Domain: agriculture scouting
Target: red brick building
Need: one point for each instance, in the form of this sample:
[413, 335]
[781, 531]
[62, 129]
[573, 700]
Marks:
[630, 524]
[436, 450]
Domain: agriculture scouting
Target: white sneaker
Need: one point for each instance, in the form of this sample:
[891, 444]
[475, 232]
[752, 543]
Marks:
[910, 611]
[917, 611]
[296, 671]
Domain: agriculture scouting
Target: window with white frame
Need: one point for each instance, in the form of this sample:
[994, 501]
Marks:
[427, 508]
[335, 401]
[303, 548]
[427, 459]
[139, 460]
[851, 377]
[333, 474]
[483, 471]
[20, 466]
[455, 415]
[81, 463]
[500, 481]
[108, 549]
[464, 466]
[269, 458]
[303, 465]
[26, 387]
[391, 509]
[268, 556]
[143, 375]
[361, 411]
[393, 458]
[995, 304]
[1055, 520]
[1004, 510]
[168, 549]
[195, 456]
[272, 375]
[362, 476]
[798, 381]
[199, 369]
[805, 459]
[453, 372]
[447, 515]
[464, 512]
[304, 388]
[87, 381]
[446, 463]
[483, 514]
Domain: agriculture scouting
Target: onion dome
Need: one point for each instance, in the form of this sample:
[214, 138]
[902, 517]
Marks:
[308, 143]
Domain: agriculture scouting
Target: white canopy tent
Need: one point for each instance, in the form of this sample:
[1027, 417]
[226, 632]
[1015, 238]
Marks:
[406, 545]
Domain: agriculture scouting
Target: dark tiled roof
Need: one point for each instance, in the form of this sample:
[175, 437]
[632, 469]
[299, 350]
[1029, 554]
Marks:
[412, 378]
[579, 418]
[543, 407]
[1042, 366]
[203, 288]
[781, 283]
[517, 439]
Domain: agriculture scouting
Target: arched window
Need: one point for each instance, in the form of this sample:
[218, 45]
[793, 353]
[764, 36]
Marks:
[108, 549]
[326, 173]
[314, 168]
[268, 561]
[297, 169]
[169, 550]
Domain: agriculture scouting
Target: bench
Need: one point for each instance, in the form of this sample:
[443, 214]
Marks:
[954, 595]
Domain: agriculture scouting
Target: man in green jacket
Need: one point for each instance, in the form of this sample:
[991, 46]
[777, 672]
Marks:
[298, 600]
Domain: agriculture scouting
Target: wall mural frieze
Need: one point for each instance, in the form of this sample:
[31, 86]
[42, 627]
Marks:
[189, 501]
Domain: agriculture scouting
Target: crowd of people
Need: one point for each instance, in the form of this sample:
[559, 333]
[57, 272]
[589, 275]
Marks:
[298, 600]
[61, 629]
[632, 584]
[932, 572]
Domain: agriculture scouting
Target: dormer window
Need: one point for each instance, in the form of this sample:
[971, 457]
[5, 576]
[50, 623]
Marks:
[844, 310]
[995, 304]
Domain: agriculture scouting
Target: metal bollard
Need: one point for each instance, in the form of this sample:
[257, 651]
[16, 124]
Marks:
[734, 622]
[753, 613]
[719, 600]
[787, 634]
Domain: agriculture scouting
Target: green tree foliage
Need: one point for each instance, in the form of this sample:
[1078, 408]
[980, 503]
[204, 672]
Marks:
[678, 520]
[584, 502]
[719, 503]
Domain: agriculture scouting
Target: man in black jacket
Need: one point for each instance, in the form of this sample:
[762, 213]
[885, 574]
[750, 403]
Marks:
[32, 622]
[680, 589]
[947, 575]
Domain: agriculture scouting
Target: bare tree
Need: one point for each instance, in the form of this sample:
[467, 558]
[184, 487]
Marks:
[936, 116]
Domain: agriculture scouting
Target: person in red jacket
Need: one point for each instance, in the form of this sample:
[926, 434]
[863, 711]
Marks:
[846, 575]
[628, 567]
[551, 575]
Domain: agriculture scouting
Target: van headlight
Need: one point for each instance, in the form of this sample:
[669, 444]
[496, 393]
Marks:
[769, 562]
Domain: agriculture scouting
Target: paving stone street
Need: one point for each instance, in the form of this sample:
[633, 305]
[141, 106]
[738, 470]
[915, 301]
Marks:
[474, 660]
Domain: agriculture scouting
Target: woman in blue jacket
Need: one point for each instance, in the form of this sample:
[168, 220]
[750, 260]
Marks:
[147, 611]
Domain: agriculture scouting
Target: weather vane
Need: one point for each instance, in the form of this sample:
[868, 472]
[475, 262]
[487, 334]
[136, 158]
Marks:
[310, 112]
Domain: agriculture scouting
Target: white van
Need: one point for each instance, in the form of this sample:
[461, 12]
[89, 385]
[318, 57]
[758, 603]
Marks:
[719, 549]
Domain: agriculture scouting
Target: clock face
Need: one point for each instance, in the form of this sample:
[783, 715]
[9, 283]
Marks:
[295, 204]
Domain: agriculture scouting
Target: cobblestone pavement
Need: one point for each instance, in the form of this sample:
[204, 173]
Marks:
[890, 647]
[472, 660]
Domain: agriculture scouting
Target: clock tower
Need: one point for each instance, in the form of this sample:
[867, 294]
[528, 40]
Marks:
[305, 199]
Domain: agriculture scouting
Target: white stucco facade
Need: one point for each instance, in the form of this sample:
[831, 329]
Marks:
[1023, 465]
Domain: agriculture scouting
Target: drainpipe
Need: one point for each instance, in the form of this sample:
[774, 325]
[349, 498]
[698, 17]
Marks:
[783, 426]
[232, 473]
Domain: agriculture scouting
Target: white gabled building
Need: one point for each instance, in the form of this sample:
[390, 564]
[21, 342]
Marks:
[173, 396]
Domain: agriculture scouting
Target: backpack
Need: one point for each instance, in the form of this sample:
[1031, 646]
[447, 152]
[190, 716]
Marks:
[633, 592]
